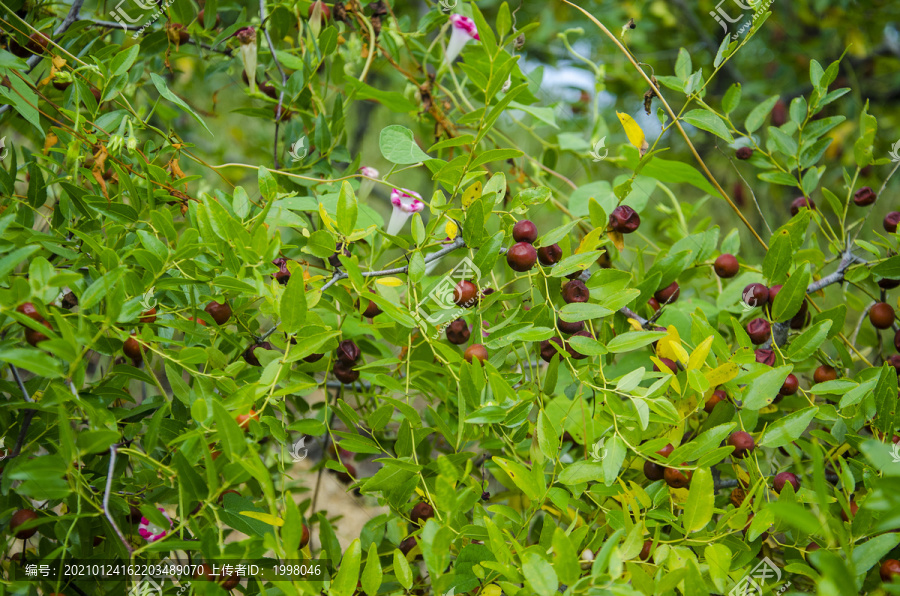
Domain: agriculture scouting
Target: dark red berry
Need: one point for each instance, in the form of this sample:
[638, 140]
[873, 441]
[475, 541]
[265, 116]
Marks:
[348, 352]
[881, 315]
[744, 153]
[220, 313]
[678, 478]
[864, 197]
[344, 372]
[569, 328]
[524, 231]
[19, 518]
[250, 353]
[668, 294]
[549, 255]
[726, 266]
[575, 291]
[624, 220]
[755, 295]
[891, 220]
[475, 352]
[801, 202]
[669, 364]
[743, 444]
[783, 478]
[758, 330]
[458, 332]
[765, 357]
[421, 512]
[465, 294]
[548, 351]
[791, 386]
[824, 374]
[717, 396]
[521, 257]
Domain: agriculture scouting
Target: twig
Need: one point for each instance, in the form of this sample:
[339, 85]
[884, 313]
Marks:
[633, 315]
[112, 464]
[26, 417]
[113, 25]
[262, 21]
[66, 23]
[732, 483]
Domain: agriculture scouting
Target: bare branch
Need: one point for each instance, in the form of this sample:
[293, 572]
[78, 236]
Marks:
[112, 464]
[26, 417]
[262, 20]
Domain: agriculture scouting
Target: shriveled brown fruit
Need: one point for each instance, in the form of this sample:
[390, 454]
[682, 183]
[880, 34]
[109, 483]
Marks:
[421, 512]
[575, 291]
[458, 332]
[344, 372]
[549, 255]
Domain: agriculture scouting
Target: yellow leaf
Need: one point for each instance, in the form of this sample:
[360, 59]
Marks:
[722, 374]
[635, 325]
[700, 353]
[618, 239]
[326, 219]
[49, 142]
[391, 282]
[670, 346]
[452, 230]
[492, 590]
[591, 242]
[264, 517]
[633, 131]
[472, 193]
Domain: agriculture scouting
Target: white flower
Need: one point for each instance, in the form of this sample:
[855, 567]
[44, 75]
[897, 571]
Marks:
[369, 172]
[464, 30]
[405, 202]
[367, 183]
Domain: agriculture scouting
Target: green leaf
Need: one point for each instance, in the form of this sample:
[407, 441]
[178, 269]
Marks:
[732, 98]
[581, 472]
[869, 553]
[398, 146]
[401, 570]
[33, 360]
[163, 89]
[371, 576]
[346, 209]
[787, 429]
[293, 306]
[268, 187]
[777, 262]
[633, 340]
[539, 574]
[523, 478]
[709, 122]
[698, 510]
[12, 260]
[582, 311]
[886, 399]
[762, 390]
[344, 583]
[97, 291]
[809, 341]
[758, 115]
[123, 60]
[889, 268]
[231, 437]
[791, 297]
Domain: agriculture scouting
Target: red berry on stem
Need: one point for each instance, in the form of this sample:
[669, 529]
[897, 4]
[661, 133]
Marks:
[864, 197]
[783, 478]
[800, 203]
[524, 231]
[475, 352]
[755, 295]
[521, 257]
[668, 294]
[881, 315]
[624, 220]
[717, 396]
[759, 330]
[726, 266]
[575, 291]
[891, 220]
[743, 444]
[791, 386]
[744, 153]
[549, 255]
[824, 373]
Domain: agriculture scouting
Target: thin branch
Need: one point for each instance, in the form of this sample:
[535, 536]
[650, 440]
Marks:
[675, 120]
[262, 21]
[112, 464]
[731, 483]
[26, 417]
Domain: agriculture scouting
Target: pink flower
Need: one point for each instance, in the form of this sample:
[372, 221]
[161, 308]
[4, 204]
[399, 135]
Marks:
[369, 172]
[463, 32]
[151, 532]
[405, 202]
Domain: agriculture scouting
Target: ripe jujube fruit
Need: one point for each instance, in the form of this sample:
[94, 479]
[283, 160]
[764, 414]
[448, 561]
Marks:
[773, 293]
[891, 221]
[475, 351]
[824, 373]
[521, 257]
[624, 220]
[407, 544]
[249, 354]
[28, 309]
[548, 351]
[348, 352]
[897, 341]
[646, 550]
[220, 312]
[889, 570]
[304, 537]
[799, 320]
[421, 512]
[782, 478]
[34, 337]
[765, 357]
[677, 478]
[668, 294]
[881, 315]
[886, 283]
[282, 275]
[524, 231]
[604, 260]
[853, 509]
[759, 330]
[755, 295]
[458, 332]
[575, 291]
[654, 471]
[742, 442]
[313, 358]
[654, 304]
[344, 372]
[372, 309]
[800, 203]
[69, 301]
[569, 328]
[744, 153]
[726, 266]
[20, 517]
[864, 197]
[717, 396]
[549, 255]
[779, 113]
[231, 491]
[133, 349]
[465, 294]
[338, 247]
[790, 386]
[148, 316]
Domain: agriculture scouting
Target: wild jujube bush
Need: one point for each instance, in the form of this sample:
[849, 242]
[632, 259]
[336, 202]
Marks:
[636, 373]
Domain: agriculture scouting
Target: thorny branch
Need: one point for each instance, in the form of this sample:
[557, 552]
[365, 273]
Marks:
[262, 18]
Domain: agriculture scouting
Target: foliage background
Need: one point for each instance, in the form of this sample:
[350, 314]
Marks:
[425, 425]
